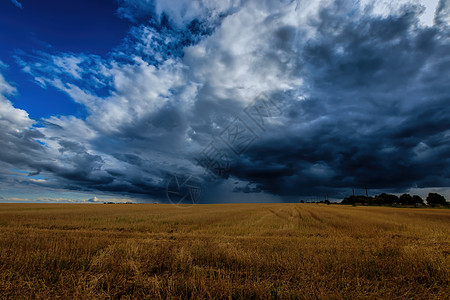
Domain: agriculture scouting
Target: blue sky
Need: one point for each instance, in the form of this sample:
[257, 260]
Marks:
[51, 26]
[112, 99]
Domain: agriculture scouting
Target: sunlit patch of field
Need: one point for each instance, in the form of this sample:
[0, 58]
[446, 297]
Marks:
[223, 251]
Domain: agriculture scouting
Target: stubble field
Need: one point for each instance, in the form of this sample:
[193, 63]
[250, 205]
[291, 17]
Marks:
[223, 251]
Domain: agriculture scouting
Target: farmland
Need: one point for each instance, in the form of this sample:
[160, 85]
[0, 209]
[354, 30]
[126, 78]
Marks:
[223, 251]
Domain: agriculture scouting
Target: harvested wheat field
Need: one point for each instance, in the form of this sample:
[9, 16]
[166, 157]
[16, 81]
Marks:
[232, 251]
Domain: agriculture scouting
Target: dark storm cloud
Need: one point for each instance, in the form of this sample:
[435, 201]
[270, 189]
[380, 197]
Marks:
[376, 115]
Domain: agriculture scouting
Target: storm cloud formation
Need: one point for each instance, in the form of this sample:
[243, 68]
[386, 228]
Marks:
[363, 92]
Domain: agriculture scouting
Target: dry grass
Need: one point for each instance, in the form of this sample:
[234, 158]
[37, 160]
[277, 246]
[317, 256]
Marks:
[223, 251]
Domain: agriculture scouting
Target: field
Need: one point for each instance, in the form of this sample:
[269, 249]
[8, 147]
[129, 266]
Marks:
[223, 251]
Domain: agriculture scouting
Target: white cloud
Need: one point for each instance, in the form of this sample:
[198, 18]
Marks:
[11, 119]
[69, 64]
[250, 53]
[94, 200]
[430, 8]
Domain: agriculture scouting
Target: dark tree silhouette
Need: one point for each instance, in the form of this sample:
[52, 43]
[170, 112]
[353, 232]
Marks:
[359, 199]
[390, 199]
[384, 199]
[436, 199]
[406, 199]
[417, 199]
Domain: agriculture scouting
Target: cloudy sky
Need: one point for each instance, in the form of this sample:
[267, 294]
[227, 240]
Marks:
[138, 100]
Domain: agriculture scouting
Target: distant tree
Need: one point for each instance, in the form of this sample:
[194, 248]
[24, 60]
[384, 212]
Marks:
[302, 201]
[347, 200]
[327, 202]
[417, 199]
[379, 200]
[386, 199]
[436, 199]
[406, 199]
[358, 199]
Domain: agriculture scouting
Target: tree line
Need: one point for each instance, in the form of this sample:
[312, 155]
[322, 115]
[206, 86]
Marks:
[433, 199]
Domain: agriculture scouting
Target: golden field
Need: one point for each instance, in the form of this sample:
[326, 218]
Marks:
[231, 251]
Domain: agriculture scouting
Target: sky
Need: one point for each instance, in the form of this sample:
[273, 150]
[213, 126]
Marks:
[212, 101]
